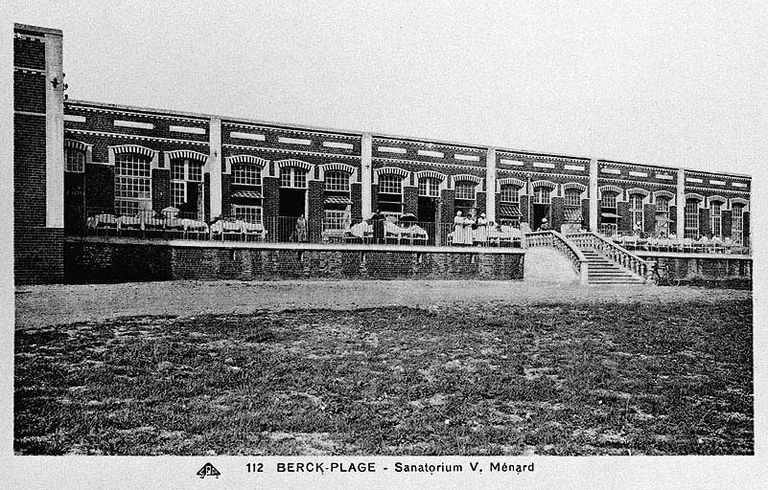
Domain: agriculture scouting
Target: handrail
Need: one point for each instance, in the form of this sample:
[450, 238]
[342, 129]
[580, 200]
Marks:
[556, 240]
[614, 252]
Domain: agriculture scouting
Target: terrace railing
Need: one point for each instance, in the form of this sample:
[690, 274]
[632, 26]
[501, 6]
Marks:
[286, 229]
[611, 250]
[560, 243]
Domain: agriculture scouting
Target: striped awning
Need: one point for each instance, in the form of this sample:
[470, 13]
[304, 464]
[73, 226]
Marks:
[247, 194]
[509, 210]
[610, 215]
[338, 200]
[572, 215]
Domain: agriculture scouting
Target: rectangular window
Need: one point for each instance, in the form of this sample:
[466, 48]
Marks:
[75, 160]
[336, 219]
[390, 184]
[194, 172]
[609, 200]
[716, 217]
[178, 193]
[293, 177]
[177, 169]
[465, 190]
[133, 184]
[573, 198]
[246, 174]
[510, 193]
[662, 205]
[337, 181]
[737, 227]
[691, 219]
[250, 214]
[429, 187]
[636, 210]
[541, 195]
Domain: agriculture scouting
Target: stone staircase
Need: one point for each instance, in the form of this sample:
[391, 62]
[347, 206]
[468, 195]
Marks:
[604, 271]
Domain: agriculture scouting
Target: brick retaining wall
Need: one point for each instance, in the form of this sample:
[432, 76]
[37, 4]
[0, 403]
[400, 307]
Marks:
[123, 259]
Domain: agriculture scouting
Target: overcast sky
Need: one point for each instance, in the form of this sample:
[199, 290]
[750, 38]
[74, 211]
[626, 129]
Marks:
[680, 84]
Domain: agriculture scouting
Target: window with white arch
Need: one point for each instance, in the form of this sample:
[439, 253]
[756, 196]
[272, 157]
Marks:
[133, 183]
[691, 220]
[390, 194]
[183, 172]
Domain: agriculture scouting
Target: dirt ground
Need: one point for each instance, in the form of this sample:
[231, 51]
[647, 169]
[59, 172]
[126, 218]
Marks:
[38, 306]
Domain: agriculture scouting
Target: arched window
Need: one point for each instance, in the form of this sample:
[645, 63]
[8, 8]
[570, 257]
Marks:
[636, 210]
[737, 225]
[573, 198]
[691, 218]
[293, 177]
[429, 187]
[133, 183]
[75, 160]
[716, 217]
[510, 193]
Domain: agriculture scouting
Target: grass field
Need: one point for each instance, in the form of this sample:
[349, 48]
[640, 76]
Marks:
[468, 379]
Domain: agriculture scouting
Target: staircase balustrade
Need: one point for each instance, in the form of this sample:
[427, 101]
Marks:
[612, 251]
[560, 243]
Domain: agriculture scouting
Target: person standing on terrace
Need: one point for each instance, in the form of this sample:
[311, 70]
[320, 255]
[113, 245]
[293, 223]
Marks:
[377, 220]
[301, 229]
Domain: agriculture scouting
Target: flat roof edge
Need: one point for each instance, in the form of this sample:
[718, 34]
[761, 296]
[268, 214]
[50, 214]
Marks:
[41, 30]
[239, 120]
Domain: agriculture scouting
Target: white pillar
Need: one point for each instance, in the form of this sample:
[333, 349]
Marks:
[490, 184]
[214, 165]
[593, 169]
[680, 203]
[366, 173]
[54, 133]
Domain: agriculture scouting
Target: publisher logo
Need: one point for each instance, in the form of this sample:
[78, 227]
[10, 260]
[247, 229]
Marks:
[208, 470]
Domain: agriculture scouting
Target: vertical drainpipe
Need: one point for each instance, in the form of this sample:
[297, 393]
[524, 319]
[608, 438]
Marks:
[593, 195]
[54, 132]
[680, 203]
[490, 185]
[366, 174]
[214, 165]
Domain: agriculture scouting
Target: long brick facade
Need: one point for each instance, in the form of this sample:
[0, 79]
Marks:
[321, 173]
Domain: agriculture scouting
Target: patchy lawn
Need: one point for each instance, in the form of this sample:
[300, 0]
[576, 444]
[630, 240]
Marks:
[483, 379]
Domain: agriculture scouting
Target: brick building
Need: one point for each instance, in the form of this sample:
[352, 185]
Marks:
[74, 159]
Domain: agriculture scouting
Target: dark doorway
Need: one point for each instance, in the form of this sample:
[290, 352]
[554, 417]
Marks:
[427, 209]
[291, 207]
[540, 211]
[193, 206]
[426, 215]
